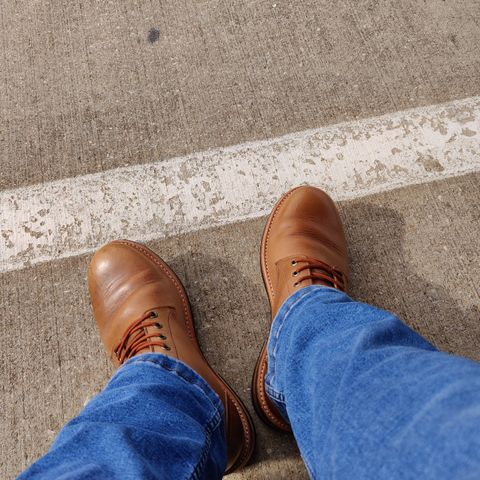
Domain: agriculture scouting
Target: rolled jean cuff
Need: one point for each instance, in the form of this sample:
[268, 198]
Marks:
[281, 331]
[175, 367]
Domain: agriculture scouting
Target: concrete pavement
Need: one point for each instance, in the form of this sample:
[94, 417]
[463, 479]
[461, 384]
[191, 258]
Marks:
[83, 89]
[86, 86]
[413, 251]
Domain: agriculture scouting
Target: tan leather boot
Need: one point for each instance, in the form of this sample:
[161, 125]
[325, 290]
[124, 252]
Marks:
[303, 244]
[141, 306]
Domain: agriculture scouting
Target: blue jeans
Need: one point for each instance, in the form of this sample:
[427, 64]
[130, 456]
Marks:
[366, 396]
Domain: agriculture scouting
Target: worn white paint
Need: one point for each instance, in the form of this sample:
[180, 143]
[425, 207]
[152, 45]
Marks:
[73, 216]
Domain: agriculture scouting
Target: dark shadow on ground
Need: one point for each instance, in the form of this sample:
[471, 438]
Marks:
[381, 275]
[231, 325]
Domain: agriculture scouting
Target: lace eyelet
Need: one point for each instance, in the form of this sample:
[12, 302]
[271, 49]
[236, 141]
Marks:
[294, 262]
[295, 273]
[153, 314]
[163, 337]
[165, 347]
[159, 326]
[295, 284]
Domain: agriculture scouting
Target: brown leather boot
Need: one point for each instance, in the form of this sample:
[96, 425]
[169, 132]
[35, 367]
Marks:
[141, 306]
[303, 244]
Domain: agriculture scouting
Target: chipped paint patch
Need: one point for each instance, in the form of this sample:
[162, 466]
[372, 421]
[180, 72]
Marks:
[76, 215]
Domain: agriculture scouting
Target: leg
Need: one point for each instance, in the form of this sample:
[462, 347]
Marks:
[155, 419]
[164, 415]
[367, 397]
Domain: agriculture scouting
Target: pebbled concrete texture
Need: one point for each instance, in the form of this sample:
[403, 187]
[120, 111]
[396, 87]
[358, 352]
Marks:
[414, 251]
[86, 86]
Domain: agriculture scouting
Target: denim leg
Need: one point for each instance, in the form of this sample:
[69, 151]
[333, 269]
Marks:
[367, 397]
[156, 419]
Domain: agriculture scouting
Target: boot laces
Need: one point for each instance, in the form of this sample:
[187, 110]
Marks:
[135, 339]
[319, 272]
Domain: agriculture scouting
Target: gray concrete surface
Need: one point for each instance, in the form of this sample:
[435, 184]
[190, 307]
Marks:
[86, 85]
[414, 251]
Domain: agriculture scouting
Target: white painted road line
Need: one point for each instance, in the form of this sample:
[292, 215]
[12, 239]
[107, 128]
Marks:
[76, 215]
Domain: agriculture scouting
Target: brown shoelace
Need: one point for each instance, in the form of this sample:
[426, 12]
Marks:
[319, 271]
[136, 338]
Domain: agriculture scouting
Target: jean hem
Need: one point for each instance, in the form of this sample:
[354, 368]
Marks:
[278, 324]
[293, 302]
[210, 429]
[179, 369]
